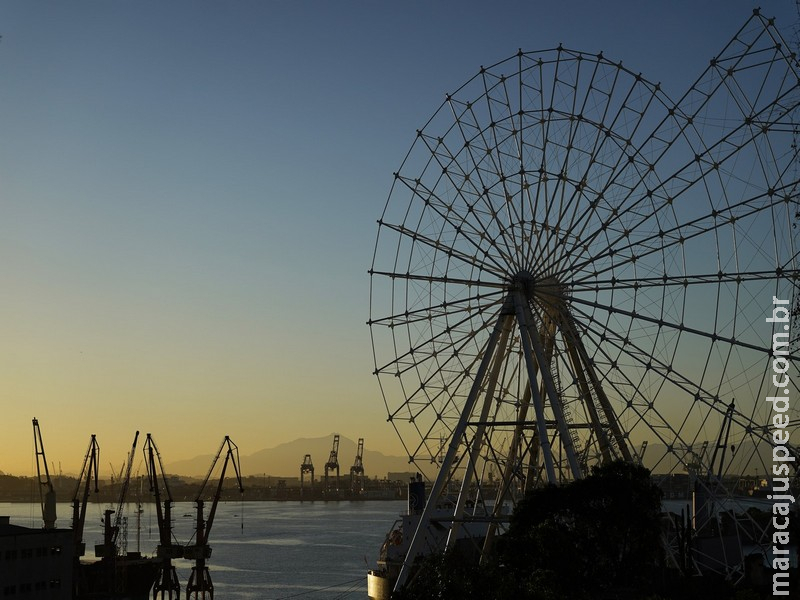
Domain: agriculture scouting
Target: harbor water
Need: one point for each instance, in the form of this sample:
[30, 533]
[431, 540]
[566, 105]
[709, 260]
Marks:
[260, 550]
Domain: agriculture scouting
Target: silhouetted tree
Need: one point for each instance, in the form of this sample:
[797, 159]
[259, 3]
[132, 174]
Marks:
[564, 542]
[599, 533]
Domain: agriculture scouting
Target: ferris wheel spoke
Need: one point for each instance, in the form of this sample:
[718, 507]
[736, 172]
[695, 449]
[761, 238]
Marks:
[680, 281]
[464, 187]
[682, 382]
[646, 411]
[442, 279]
[512, 249]
[560, 160]
[560, 198]
[766, 200]
[625, 160]
[497, 94]
[436, 311]
[409, 361]
[447, 249]
[677, 236]
[711, 160]
[634, 315]
[445, 212]
[464, 376]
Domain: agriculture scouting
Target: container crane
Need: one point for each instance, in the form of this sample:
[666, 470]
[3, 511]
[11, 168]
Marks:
[306, 467]
[80, 499]
[199, 585]
[47, 498]
[357, 471]
[333, 464]
[166, 585]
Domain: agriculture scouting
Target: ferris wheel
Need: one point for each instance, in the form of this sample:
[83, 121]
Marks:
[572, 268]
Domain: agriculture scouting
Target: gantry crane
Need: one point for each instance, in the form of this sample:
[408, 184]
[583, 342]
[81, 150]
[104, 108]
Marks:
[306, 467]
[333, 464]
[357, 471]
[167, 584]
[47, 498]
[80, 500]
[199, 585]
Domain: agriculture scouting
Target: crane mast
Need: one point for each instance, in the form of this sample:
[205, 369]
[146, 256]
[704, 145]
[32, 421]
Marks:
[306, 467]
[167, 584]
[200, 585]
[47, 498]
[357, 471]
[80, 500]
[333, 464]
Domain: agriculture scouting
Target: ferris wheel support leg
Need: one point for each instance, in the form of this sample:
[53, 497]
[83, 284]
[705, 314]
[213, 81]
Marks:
[611, 417]
[541, 424]
[416, 547]
[505, 483]
[477, 441]
[586, 393]
[555, 401]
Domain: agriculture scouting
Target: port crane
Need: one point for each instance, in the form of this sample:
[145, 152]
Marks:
[111, 532]
[333, 464]
[200, 585]
[47, 498]
[357, 471]
[306, 467]
[80, 499]
[166, 584]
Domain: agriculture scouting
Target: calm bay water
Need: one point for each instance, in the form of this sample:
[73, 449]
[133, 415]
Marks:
[261, 550]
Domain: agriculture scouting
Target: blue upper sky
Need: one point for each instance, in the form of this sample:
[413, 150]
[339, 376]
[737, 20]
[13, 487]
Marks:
[189, 193]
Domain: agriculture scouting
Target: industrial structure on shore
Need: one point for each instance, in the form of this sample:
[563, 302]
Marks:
[50, 561]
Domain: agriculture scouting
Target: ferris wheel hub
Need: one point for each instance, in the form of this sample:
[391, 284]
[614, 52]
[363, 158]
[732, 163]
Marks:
[547, 289]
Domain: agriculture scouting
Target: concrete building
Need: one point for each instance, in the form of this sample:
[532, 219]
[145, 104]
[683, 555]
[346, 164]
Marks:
[35, 563]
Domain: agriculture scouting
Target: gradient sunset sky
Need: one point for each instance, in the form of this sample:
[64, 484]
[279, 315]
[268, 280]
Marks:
[189, 193]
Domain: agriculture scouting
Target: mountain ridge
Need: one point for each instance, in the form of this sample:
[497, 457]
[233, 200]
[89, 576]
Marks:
[284, 460]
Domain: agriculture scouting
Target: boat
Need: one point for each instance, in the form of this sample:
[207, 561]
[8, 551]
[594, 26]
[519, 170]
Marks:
[127, 577]
[396, 545]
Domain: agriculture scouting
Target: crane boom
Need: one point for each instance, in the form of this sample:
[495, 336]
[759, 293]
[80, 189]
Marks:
[124, 490]
[109, 548]
[47, 498]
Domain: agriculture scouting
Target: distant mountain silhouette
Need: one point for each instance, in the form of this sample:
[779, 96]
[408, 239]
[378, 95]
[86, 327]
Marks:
[284, 460]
